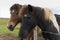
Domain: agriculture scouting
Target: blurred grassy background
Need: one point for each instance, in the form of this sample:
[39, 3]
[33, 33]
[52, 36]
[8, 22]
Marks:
[4, 29]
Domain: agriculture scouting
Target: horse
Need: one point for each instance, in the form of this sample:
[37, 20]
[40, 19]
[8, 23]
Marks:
[15, 18]
[43, 17]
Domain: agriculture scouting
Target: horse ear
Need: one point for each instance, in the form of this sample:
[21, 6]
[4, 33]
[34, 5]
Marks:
[30, 8]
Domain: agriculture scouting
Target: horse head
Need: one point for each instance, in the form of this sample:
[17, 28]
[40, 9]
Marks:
[14, 18]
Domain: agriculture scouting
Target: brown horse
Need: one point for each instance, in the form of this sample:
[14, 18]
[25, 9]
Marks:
[15, 18]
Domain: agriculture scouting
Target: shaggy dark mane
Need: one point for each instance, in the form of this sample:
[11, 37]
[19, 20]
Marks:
[14, 7]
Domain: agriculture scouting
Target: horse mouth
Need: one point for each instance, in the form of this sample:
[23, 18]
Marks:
[11, 27]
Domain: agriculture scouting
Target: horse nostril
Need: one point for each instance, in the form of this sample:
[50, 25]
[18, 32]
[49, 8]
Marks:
[11, 27]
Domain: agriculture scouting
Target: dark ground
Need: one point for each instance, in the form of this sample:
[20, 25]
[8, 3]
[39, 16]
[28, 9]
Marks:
[12, 37]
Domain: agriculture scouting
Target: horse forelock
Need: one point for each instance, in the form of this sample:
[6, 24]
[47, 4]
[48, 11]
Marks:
[16, 7]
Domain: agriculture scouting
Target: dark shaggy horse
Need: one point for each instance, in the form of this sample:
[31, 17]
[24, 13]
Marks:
[42, 17]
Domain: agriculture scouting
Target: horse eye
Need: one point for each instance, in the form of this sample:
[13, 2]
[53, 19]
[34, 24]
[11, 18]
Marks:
[17, 13]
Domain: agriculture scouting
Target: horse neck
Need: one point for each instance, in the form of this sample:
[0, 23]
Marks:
[47, 25]
[39, 15]
[52, 25]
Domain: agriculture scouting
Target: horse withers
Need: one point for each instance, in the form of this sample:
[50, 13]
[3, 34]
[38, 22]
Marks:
[42, 17]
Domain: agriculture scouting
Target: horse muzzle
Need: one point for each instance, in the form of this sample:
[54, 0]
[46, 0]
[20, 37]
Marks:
[11, 27]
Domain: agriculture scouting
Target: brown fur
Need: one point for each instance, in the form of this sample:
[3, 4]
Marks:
[23, 8]
[15, 17]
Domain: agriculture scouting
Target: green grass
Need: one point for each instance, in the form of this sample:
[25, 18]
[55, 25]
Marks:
[4, 29]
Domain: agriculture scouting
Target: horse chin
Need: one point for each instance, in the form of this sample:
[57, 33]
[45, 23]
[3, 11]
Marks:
[11, 27]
